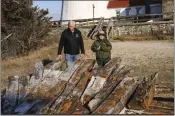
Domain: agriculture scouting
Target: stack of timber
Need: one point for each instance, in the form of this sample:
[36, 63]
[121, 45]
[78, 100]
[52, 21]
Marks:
[88, 89]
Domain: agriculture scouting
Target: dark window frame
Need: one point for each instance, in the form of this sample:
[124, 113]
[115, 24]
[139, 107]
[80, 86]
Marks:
[138, 10]
[127, 10]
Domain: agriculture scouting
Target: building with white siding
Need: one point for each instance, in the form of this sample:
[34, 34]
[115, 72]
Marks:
[73, 10]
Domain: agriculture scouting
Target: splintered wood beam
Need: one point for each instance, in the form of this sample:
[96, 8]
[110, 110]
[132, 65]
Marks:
[77, 76]
[101, 95]
[97, 82]
[130, 111]
[54, 65]
[161, 107]
[164, 90]
[69, 104]
[52, 78]
[55, 91]
[108, 69]
[15, 92]
[116, 101]
[53, 84]
[160, 111]
[11, 95]
[144, 94]
[109, 86]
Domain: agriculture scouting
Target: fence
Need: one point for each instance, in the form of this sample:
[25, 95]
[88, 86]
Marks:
[117, 20]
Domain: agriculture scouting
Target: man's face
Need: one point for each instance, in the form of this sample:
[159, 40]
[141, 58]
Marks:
[71, 27]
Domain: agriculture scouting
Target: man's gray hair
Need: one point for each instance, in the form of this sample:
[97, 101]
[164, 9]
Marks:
[71, 22]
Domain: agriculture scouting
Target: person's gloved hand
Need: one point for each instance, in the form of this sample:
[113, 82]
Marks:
[98, 47]
[103, 45]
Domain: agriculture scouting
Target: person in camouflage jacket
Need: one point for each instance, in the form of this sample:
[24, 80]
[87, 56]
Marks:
[102, 47]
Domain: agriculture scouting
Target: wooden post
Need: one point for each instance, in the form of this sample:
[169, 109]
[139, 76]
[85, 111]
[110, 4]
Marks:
[93, 11]
[142, 97]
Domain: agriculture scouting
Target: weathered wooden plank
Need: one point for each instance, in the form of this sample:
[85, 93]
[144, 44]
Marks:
[164, 95]
[97, 82]
[38, 74]
[25, 107]
[32, 99]
[74, 81]
[15, 93]
[53, 85]
[45, 86]
[157, 111]
[111, 83]
[130, 111]
[144, 94]
[70, 103]
[3, 92]
[101, 95]
[164, 91]
[81, 109]
[11, 96]
[125, 98]
[52, 77]
[65, 77]
[162, 105]
[54, 65]
[22, 88]
[165, 84]
[117, 99]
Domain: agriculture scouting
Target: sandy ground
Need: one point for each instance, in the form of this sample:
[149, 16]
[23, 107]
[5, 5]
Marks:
[147, 57]
[144, 57]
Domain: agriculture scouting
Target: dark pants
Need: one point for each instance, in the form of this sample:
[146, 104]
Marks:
[103, 61]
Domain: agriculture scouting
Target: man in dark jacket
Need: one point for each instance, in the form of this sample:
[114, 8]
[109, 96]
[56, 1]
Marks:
[72, 41]
[102, 47]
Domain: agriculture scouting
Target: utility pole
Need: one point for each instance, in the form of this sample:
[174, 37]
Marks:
[93, 11]
[61, 18]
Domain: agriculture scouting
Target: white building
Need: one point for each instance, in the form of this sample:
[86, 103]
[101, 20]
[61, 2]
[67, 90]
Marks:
[73, 10]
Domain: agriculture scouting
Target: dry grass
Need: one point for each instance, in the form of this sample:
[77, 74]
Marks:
[24, 65]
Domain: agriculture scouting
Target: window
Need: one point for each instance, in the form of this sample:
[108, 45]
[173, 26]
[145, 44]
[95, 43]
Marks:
[117, 13]
[155, 9]
[127, 11]
[138, 10]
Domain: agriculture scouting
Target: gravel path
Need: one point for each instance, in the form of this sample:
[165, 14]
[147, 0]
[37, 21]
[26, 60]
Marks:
[147, 57]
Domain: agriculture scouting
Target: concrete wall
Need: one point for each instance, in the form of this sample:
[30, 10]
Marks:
[83, 10]
[166, 28]
[168, 6]
[144, 29]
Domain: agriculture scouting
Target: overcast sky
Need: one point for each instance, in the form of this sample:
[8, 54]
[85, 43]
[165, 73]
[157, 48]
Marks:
[53, 6]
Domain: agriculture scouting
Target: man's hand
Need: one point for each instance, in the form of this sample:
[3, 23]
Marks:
[59, 57]
[82, 55]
